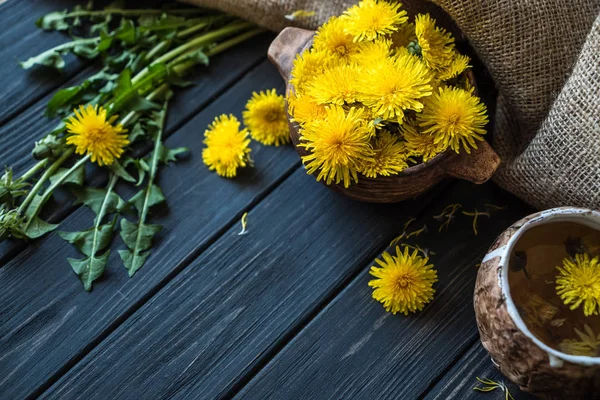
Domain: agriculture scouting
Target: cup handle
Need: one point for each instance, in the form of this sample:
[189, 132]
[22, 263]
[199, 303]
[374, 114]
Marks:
[287, 44]
[477, 167]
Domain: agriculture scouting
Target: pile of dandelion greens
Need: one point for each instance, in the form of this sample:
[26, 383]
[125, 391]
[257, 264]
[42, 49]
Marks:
[108, 120]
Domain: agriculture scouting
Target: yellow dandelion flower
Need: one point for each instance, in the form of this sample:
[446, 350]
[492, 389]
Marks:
[266, 119]
[91, 133]
[335, 85]
[370, 18]
[306, 66]
[369, 51]
[587, 345]
[331, 38]
[453, 117]
[437, 45]
[419, 144]
[403, 36]
[338, 145]
[578, 282]
[389, 157]
[457, 66]
[303, 108]
[227, 147]
[405, 281]
[391, 86]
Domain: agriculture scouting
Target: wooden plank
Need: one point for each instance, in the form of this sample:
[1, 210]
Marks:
[21, 39]
[458, 383]
[354, 349]
[47, 320]
[19, 134]
[241, 299]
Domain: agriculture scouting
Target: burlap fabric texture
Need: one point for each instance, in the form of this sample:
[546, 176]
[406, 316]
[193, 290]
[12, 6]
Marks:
[544, 56]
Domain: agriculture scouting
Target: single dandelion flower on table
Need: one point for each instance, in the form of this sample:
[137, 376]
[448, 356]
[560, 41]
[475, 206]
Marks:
[303, 108]
[436, 45]
[227, 147]
[457, 66]
[419, 144]
[338, 145]
[578, 282]
[92, 133]
[370, 18]
[453, 117]
[389, 157]
[332, 39]
[266, 119]
[404, 282]
[306, 66]
[390, 87]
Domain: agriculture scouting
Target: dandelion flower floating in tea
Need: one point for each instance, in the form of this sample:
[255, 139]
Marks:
[227, 147]
[93, 134]
[587, 345]
[404, 282]
[578, 282]
[370, 18]
[266, 119]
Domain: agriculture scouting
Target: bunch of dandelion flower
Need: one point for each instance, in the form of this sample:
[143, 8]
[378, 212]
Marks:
[338, 145]
[266, 118]
[436, 45]
[93, 134]
[390, 87]
[227, 147]
[419, 144]
[404, 282]
[370, 18]
[332, 39]
[578, 282]
[389, 156]
[453, 117]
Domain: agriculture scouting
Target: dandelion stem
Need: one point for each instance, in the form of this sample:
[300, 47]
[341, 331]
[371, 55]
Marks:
[45, 176]
[34, 170]
[132, 13]
[195, 43]
[48, 192]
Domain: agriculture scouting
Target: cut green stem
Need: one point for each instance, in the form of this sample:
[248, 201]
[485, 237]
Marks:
[48, 192]
[45, 176]
[133, 13]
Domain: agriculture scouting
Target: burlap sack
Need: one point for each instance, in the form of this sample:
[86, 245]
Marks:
[544, 56]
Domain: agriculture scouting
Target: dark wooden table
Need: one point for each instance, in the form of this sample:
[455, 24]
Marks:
[283, 312]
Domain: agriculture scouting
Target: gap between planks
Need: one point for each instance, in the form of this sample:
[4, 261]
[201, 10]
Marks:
[364, 263]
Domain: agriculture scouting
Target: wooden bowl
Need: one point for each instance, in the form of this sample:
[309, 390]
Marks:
[525, 359]
[477, 167]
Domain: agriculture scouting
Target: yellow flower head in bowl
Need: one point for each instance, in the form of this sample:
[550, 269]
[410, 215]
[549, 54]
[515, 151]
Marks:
[91, 133]
[578, 283]
[370, 18]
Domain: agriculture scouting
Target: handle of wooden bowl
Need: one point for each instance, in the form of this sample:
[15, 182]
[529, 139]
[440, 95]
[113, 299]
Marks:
[477, 167]
[287, 44]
